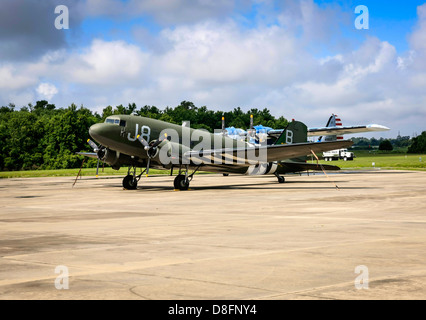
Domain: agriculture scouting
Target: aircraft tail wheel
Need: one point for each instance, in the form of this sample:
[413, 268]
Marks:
[129, 182]
[281, 179]
[181, 183]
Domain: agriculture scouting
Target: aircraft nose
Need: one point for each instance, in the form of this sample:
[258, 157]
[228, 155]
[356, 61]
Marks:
[95, 131]
[100, 133]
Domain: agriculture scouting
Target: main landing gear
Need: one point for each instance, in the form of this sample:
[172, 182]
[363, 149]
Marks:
[182, 180]
[130, 182]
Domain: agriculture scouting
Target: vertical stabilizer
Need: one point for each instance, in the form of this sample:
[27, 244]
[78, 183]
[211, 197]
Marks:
[296, 132]
[334, 121]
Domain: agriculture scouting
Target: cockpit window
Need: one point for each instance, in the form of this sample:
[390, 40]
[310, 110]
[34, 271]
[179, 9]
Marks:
[113, 121]
[122, 123]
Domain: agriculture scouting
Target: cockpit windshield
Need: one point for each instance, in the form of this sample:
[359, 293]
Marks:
[121, 123]
[113, 121]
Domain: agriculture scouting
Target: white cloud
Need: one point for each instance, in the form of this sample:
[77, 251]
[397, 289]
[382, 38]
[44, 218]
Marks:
[11, 78]
[213, 53]
[106, 63]
[47, 90]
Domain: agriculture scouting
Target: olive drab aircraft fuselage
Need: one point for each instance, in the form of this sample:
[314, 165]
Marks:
[140, 142]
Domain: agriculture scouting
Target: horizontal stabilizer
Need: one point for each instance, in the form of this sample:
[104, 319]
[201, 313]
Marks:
[332, 131]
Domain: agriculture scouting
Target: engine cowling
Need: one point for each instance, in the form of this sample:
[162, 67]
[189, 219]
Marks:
[115, 159]
[108, 156]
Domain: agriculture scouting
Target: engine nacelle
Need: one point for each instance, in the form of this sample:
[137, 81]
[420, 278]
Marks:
[115, 159]
[108, 156]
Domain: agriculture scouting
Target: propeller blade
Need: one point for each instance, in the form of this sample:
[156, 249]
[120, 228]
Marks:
[224, 132]
[159, 140]
[93, 145]
[97, 168]
[147, 166]
[156, 143]
[251, 132]
[143, 141]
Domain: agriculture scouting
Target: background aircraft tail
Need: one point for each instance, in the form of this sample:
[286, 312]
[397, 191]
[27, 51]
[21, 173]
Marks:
[334, 121]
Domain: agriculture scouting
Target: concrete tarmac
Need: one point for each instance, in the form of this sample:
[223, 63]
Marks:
[235, 237]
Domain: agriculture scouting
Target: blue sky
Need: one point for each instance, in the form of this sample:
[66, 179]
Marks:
[301, 59]
[390, 20]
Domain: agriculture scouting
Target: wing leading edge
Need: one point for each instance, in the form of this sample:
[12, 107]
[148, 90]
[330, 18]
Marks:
[324, 131]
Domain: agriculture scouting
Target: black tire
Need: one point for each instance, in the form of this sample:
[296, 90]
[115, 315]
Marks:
[180, 183]
[225, 174]
[281, 179]
[129, 182]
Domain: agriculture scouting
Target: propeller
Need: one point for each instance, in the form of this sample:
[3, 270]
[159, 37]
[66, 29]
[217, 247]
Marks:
[93, 145]
[224, 132]
[95, 149]
[252, 132]
[151, 148]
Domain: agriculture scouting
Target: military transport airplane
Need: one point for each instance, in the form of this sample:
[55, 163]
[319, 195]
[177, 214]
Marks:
[139, 142]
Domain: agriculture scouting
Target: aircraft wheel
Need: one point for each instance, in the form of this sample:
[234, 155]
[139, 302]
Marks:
[225, 174]
[129, 182]
[180, 183]
[281, 179]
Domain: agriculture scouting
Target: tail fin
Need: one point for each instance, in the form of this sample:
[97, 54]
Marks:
[296, 132]
[334, 121]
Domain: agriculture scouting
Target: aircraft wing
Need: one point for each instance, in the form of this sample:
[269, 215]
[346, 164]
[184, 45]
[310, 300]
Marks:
[290, 151]
[240, 156]
[88, 154]
[332, 131]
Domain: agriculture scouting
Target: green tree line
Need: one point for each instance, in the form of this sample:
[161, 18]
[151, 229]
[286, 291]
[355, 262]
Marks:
[365, 143]
[401, 143]
[42, 136]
